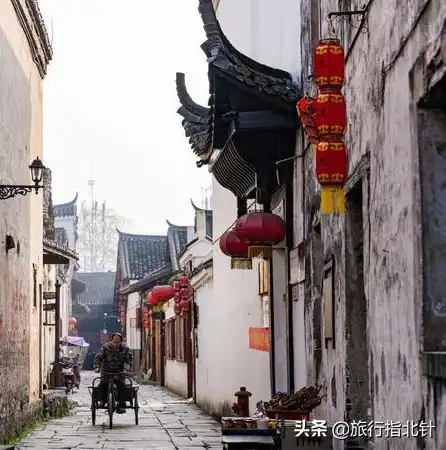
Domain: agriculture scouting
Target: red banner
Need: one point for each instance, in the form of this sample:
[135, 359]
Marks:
[259, 339]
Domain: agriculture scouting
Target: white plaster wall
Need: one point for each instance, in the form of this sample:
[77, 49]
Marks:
[48, 333]
[64, 313]
[265, 30]
[269, 31]
[133, 335]
[21, 217]
[207, 354]
[175, 372]
[197, 253]
[235, 307]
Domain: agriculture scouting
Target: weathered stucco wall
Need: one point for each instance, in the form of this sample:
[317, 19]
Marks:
[21, 217]
[380, 320]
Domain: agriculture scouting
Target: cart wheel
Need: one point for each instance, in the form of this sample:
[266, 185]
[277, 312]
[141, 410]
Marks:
[111, 407]
[93, 412]
[136, 408]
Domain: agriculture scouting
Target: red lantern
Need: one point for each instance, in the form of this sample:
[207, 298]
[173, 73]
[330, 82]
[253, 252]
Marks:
[306, 117]
[330, 115]
[177, 309]
[163, 292]
[261, 231]
[184, 305]
[176, 297]
[231, 245]
[72, 322]
[329, 65]
[176, 285]
[151, 299]
[184, 293]
[184, 280]
[331, 172]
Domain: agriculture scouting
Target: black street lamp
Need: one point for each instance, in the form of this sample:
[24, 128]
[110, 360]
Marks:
[11, 190]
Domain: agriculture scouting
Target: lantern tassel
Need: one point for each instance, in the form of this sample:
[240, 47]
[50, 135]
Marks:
[332, 200]
[241, 263]
[260, 251]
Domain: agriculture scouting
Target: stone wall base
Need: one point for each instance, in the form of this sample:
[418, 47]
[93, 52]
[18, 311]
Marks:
[53, 404]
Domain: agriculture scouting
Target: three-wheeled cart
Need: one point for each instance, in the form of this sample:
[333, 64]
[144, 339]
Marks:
[131, 398]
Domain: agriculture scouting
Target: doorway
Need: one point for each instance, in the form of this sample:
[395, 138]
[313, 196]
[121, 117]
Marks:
[357, 372]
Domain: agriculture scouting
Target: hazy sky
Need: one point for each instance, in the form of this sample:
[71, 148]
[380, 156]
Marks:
[110, 105]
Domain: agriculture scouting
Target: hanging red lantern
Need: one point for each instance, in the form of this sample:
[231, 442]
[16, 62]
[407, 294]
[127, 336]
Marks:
[231, 245]
[184, 280]
[184, 293]
[176, 285]
[163, 292]
[176, 297]
[329, 66]
[177, 309]
[151, 299]
[184, 305]
[72, 322]
[261, 231]
[331, 172]
[330, 115]
[306, 117]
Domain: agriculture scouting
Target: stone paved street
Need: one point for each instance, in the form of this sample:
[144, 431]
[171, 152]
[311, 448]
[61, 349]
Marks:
[166, 422]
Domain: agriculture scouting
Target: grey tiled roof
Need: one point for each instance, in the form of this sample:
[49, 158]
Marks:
[66, 209]
[197, 120]
[226, 62]
[99, 288]
[148, 258]
[141, 254]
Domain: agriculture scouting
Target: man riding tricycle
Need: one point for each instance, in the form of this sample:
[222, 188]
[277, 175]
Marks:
[115, 390]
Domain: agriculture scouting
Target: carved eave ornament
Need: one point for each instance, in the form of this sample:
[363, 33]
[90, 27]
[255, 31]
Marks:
[31, 20]
[251, 120]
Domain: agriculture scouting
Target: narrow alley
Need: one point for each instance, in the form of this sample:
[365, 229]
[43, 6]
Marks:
[166, 422]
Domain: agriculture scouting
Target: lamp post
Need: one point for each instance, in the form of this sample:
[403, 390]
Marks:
[11, 190]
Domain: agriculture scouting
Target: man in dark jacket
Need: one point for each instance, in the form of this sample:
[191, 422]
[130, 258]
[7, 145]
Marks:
[113, 358]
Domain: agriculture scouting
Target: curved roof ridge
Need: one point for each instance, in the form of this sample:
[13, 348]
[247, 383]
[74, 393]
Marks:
[70, 203]
[215, 34]
[136, 235]
[197, 208]
[172, 225]
[186, 99]
[197, 119]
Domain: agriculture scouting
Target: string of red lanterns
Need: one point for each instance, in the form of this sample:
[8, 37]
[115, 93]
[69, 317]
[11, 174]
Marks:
[324, 120]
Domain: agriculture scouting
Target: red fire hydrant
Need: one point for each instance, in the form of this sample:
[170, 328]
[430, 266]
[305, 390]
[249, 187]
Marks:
[241, 408]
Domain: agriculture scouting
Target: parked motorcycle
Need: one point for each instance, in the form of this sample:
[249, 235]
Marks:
[68, 377]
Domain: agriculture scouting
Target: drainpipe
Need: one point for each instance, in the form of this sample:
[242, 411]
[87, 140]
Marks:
[272, 350]
[289, 242]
